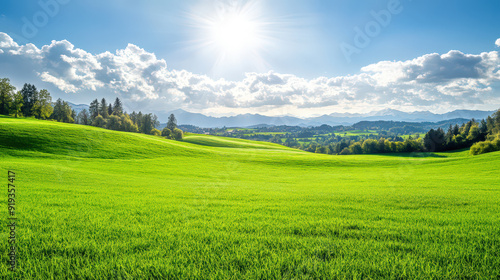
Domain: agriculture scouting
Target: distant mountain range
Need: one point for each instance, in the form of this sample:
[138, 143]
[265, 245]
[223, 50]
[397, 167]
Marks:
[78, 107]
[256, 120]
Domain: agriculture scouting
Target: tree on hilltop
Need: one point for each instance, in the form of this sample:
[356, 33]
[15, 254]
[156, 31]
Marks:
[83, 117]
[30, 96]
[172, 122]
[117, 107]
[103, 109]
[94, 109]
[62, 112]
[17, 104]
[6, 96]
[42, 108]
[99, 121]
[114, 123]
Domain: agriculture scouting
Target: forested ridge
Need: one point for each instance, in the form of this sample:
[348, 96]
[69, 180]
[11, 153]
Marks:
[30, 102]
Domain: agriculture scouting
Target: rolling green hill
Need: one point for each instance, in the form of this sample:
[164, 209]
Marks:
[101, 204]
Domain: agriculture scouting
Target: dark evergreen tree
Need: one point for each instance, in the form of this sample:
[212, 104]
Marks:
[94, 109]
[133, 117]
[118, 107]
[103, 109]
[30, 95]
[140, 121]
[57, 113]
[483, 129]
[490, 124]
[434, 140]
[147, 124]
[172, 122]
[63, 112]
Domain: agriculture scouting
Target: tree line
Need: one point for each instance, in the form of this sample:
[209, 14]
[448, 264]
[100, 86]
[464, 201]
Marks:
[482, 136]
[29, 102]
[492, 139]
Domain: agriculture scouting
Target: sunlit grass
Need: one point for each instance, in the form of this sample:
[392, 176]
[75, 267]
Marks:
[100, 204]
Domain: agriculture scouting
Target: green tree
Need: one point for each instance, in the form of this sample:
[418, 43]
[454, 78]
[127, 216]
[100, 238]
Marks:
[496, 119]
[30, 96]
[356, 148]
[103, 109]
[83, 117]
[94, 109]
[172, 122]
[147, 125]
[154, 120]
[118, 107]
[345, 151]
[434, 140]
[474, 134]
[63, 112]
[320, 149]
[369, 146]
[127, 124]
[57, 113]
[110, 109]
[6, 96]
[483, 129]
[42, 109]
[113, 122]
[177, 134]
[99, 121]
[17, 104]
[166, 132]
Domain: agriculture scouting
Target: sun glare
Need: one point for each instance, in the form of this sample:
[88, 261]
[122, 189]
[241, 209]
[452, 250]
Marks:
[233, 35]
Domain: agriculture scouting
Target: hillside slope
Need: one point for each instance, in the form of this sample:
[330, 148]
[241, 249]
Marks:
[100, 204]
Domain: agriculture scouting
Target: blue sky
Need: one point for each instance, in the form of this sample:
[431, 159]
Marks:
[294, 39]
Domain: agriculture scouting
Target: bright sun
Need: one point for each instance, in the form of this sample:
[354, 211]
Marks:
[234, 33]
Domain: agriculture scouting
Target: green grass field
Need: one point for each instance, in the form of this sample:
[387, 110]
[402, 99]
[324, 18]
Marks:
[100, 204]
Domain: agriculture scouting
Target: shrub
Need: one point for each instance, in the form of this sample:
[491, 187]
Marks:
[177, 134]
[486, 146]
[166, 132]
[155, 132]
[345, 151]
[99, 121]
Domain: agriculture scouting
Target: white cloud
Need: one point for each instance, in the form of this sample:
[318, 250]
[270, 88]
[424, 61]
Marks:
[497, 42]
[448, 80]
[6, 42]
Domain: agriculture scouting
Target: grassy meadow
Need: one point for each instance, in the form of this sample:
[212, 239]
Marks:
[102, 204]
